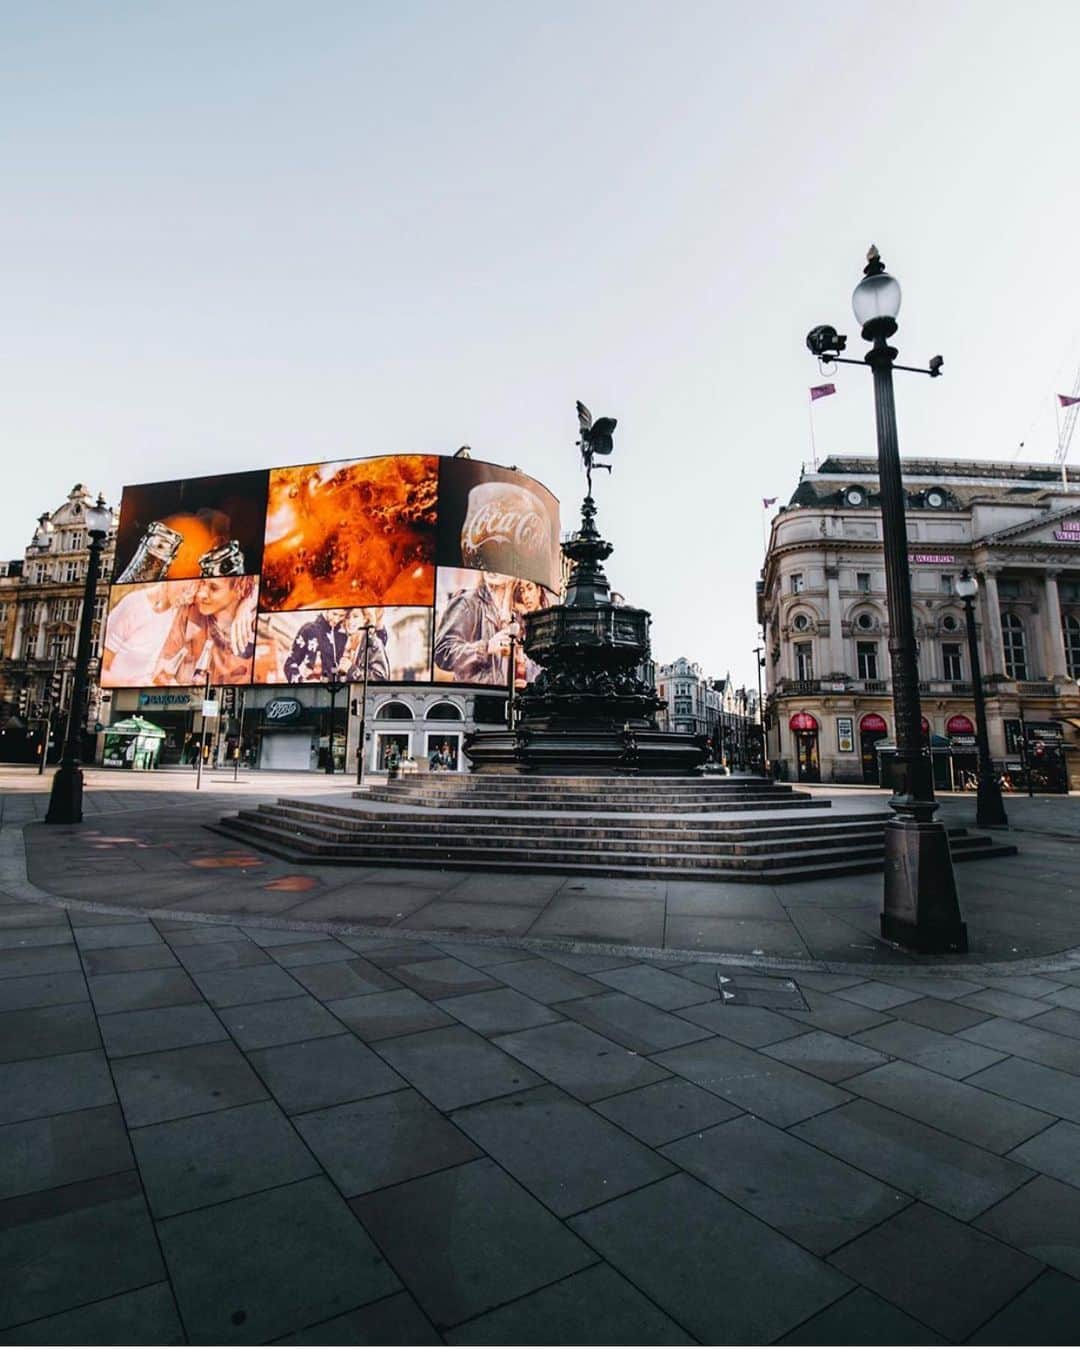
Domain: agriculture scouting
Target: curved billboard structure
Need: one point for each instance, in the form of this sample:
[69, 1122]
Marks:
[271, 577]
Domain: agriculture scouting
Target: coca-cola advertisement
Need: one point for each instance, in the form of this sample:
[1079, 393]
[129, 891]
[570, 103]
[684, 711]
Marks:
[496, 519]
[191, 527]
[476, 615]
[312, 646]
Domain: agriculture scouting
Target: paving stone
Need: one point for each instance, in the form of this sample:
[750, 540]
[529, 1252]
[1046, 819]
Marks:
[1026, 985]
[206, 1159]
[42, 990]
[145, 1316]
[943, 1054]
[809, 1196]
[587, 1065]
[392, 1320]
[596, 1306]
[1046, 1312]
[284, 1021]
[37, 1032]
[311, 953]
[583, 962]
[879, 996]
[116, 961]
[159, 1028]
[779, 1093]
[938, 1270]
[60, 1248]
[117, 934]
[344, 979]
[41, 1154]
[41, 960]
[666, 1110]
[862, 1318]
[829, 1012]
[253, 983]
[387, 952]
[1042, 1219]
[269, 937]
[1031, 1084]
[400, 1011]
[53, 1086]
[204, 934]
[32, 915]
[326, 1072]
[998, 1002]
[826, 1056]
[749, 1026]
[1027, 1042]
[1066, 996]
[547, 982]
[443, 978]
[263, 1266]
[937, 1014]
[1055, 1152]
[665, 1239]
[635, 1025]
[1060, 1020]
[21, 938]
[180, 1082]
[141, 989]
[505, 1243]
[498, 1010]
[941, 1170]
[953, 1107]
[661, 988]
[226, 955]
[454, 1066]
[826, 983]
[943, 986]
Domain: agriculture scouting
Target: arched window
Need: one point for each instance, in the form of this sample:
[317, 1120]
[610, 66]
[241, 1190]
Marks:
[1072, 645]
[1012, 635]
[394, 712]
[444, 712]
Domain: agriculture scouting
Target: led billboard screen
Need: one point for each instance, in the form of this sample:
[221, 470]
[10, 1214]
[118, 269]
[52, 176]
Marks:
[475, 612]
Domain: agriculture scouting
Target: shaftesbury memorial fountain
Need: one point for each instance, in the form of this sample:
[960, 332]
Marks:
[588, 712]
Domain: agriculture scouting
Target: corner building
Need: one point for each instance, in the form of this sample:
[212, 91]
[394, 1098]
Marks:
[822, 608]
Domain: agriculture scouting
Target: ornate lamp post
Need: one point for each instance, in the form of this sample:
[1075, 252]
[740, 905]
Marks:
[65, 799]
[333, 685]
[367, 629]
[759, 657]
[920, 905]
[989, 807]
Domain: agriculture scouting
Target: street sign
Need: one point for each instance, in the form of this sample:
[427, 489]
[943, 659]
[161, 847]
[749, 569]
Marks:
[209, 708]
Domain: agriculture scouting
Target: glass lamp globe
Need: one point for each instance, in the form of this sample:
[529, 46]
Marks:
[876, 297]
[966, 586]
[98, 518]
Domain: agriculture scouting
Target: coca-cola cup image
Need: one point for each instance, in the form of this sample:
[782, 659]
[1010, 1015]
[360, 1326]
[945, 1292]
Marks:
[506, 529]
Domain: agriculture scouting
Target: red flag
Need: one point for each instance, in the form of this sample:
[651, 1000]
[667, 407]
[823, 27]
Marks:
[766, 502]
[823, 390]
[1065, 401]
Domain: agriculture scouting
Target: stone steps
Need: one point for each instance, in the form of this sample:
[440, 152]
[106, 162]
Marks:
[648, 804]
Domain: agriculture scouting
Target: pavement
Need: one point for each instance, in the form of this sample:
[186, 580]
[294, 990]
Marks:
[236, 1123]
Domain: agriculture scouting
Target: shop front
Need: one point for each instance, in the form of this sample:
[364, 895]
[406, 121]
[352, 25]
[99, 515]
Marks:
[804, 727]
[872, 730]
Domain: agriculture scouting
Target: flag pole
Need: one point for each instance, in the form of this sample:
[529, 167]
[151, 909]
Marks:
[813, 443]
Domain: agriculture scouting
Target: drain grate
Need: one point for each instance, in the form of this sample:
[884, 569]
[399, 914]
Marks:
[760, 990]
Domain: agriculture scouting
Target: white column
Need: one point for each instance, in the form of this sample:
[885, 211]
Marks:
[995, 649]
[836, 641]
[1054, 637]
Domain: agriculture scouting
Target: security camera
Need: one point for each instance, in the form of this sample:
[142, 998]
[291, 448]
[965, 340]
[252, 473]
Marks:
[936, 362]
[824, 341]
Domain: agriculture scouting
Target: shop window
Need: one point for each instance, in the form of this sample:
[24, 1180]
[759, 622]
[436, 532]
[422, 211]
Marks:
[951, 664]
[1072, 645]
[394, 711]
[866, 655]
[804, 660]
[444, 712]
[862, 582]
[1012, 634]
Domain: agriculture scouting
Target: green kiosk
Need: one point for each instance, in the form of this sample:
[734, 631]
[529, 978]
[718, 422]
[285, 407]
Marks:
[133, 743]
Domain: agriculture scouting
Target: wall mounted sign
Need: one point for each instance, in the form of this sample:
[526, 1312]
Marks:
[845, 735]
[959, 725]
[873, 722]
[281, 711]
[935, 559]
[1068, 531]
[803, 721]
[184, 699]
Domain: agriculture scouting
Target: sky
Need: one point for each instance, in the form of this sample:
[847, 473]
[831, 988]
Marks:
[252, 233]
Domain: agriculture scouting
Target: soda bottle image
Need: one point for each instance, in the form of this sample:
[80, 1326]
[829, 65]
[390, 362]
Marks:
[154, 555]
[227, 559]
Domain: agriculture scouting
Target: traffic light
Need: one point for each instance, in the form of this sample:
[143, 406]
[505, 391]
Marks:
[22, 702]
[56, 688]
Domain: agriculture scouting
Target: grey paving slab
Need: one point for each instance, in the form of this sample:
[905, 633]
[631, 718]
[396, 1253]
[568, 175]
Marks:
[877, 995]
[36, 1032]
[252, 983]
[824, 982]
[81, 1242]
[561, 1151]
[311, 953]
[585, 1064]
[547, 981]
[203, 934]
[180, 1082]
[399, 1011]
[344, 979]
[207, 1159]
[956, 1108]
[940, 1015]
[1028, 1042]
[1055, 1152]
[942, 1272]
[269, 937]
[42, 990]
[505, 1243]
[862, 1318]
[38, 960]
[1046, 1312]
[666, 1110]
[829, 1012]
[634, 922]
[1032, 1084]
[999, 1002]
[443, 978]
[586, 962]
[144, 1316]
[944, 1054]
[387, 952]
[32, 915]
[803, 1192]
[941, 987]
[140, 989]
[661, 988]
[777, 1092]
[159, 1028]
[226, 955]
[635, 1025]
[392, 1320]
[498, 1010]
[269, 1264]
[486, 956]
[449, 914]
[1066, 996]
[1060, 1020]
[665, 1239]
[740, 936]
[826, 1056]
[454, 1066]
[597, 1306]
[1042, 1219]
[20, 938]
[117, 934]
[749, 1026]
[1026, 985]
[319, 1073]
[255, 1025]
[40, 1154]
[937, 1168]
[52, 1086]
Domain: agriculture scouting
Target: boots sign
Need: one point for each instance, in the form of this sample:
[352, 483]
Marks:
[282, 711]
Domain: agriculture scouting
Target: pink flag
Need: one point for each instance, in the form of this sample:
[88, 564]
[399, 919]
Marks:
[823, 390]
[766, 502]
[1066, 401]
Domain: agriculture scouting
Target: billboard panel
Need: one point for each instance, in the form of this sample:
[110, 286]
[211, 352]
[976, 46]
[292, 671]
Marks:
[308, 646]
[192, 527]
[496, 519]
[172, 632]
[474, 611]
[347, 533]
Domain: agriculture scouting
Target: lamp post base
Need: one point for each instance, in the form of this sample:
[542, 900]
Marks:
[65, 798]
[921, 910]
[989, 807]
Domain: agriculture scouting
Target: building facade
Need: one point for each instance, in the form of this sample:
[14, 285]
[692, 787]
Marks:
[822, 608]
[714, 708]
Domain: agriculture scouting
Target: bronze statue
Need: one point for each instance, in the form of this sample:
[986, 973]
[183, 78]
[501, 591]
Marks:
[596, 438]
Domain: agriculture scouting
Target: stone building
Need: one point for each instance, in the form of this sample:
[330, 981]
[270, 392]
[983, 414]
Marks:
[699, 705]
[822, 607]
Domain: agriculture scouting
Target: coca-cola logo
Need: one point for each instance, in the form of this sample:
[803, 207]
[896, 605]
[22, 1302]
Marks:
[498, 523]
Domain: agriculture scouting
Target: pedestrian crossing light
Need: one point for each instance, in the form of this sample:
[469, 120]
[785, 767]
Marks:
[22, 702]
[56, 687]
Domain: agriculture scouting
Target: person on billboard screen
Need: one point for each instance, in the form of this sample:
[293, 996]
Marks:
[473, 641]
[138, 626]
[351, 660]
[214, 632]
[317, 648]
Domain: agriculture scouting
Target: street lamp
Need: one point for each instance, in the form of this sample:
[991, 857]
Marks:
[65, 799]
[759, 657]
[366, 630]
[513, 631]
[989, 807]
[920, 906]
[334, 685]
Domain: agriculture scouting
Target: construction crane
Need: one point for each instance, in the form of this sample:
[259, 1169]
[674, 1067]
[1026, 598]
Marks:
[1066, 425]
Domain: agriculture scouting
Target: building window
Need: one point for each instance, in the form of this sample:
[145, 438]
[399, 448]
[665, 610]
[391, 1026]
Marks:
[800, 622]
[950, 661]
[804, 660]
[71, 571]
[796, 583]
[1072, 645]
[862, 582]
[39, 572]
[1012, 634]
[865, 621]
[866, 654]
[946, 584]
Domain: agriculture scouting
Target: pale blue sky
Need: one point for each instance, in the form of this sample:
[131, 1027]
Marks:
[241, 234]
